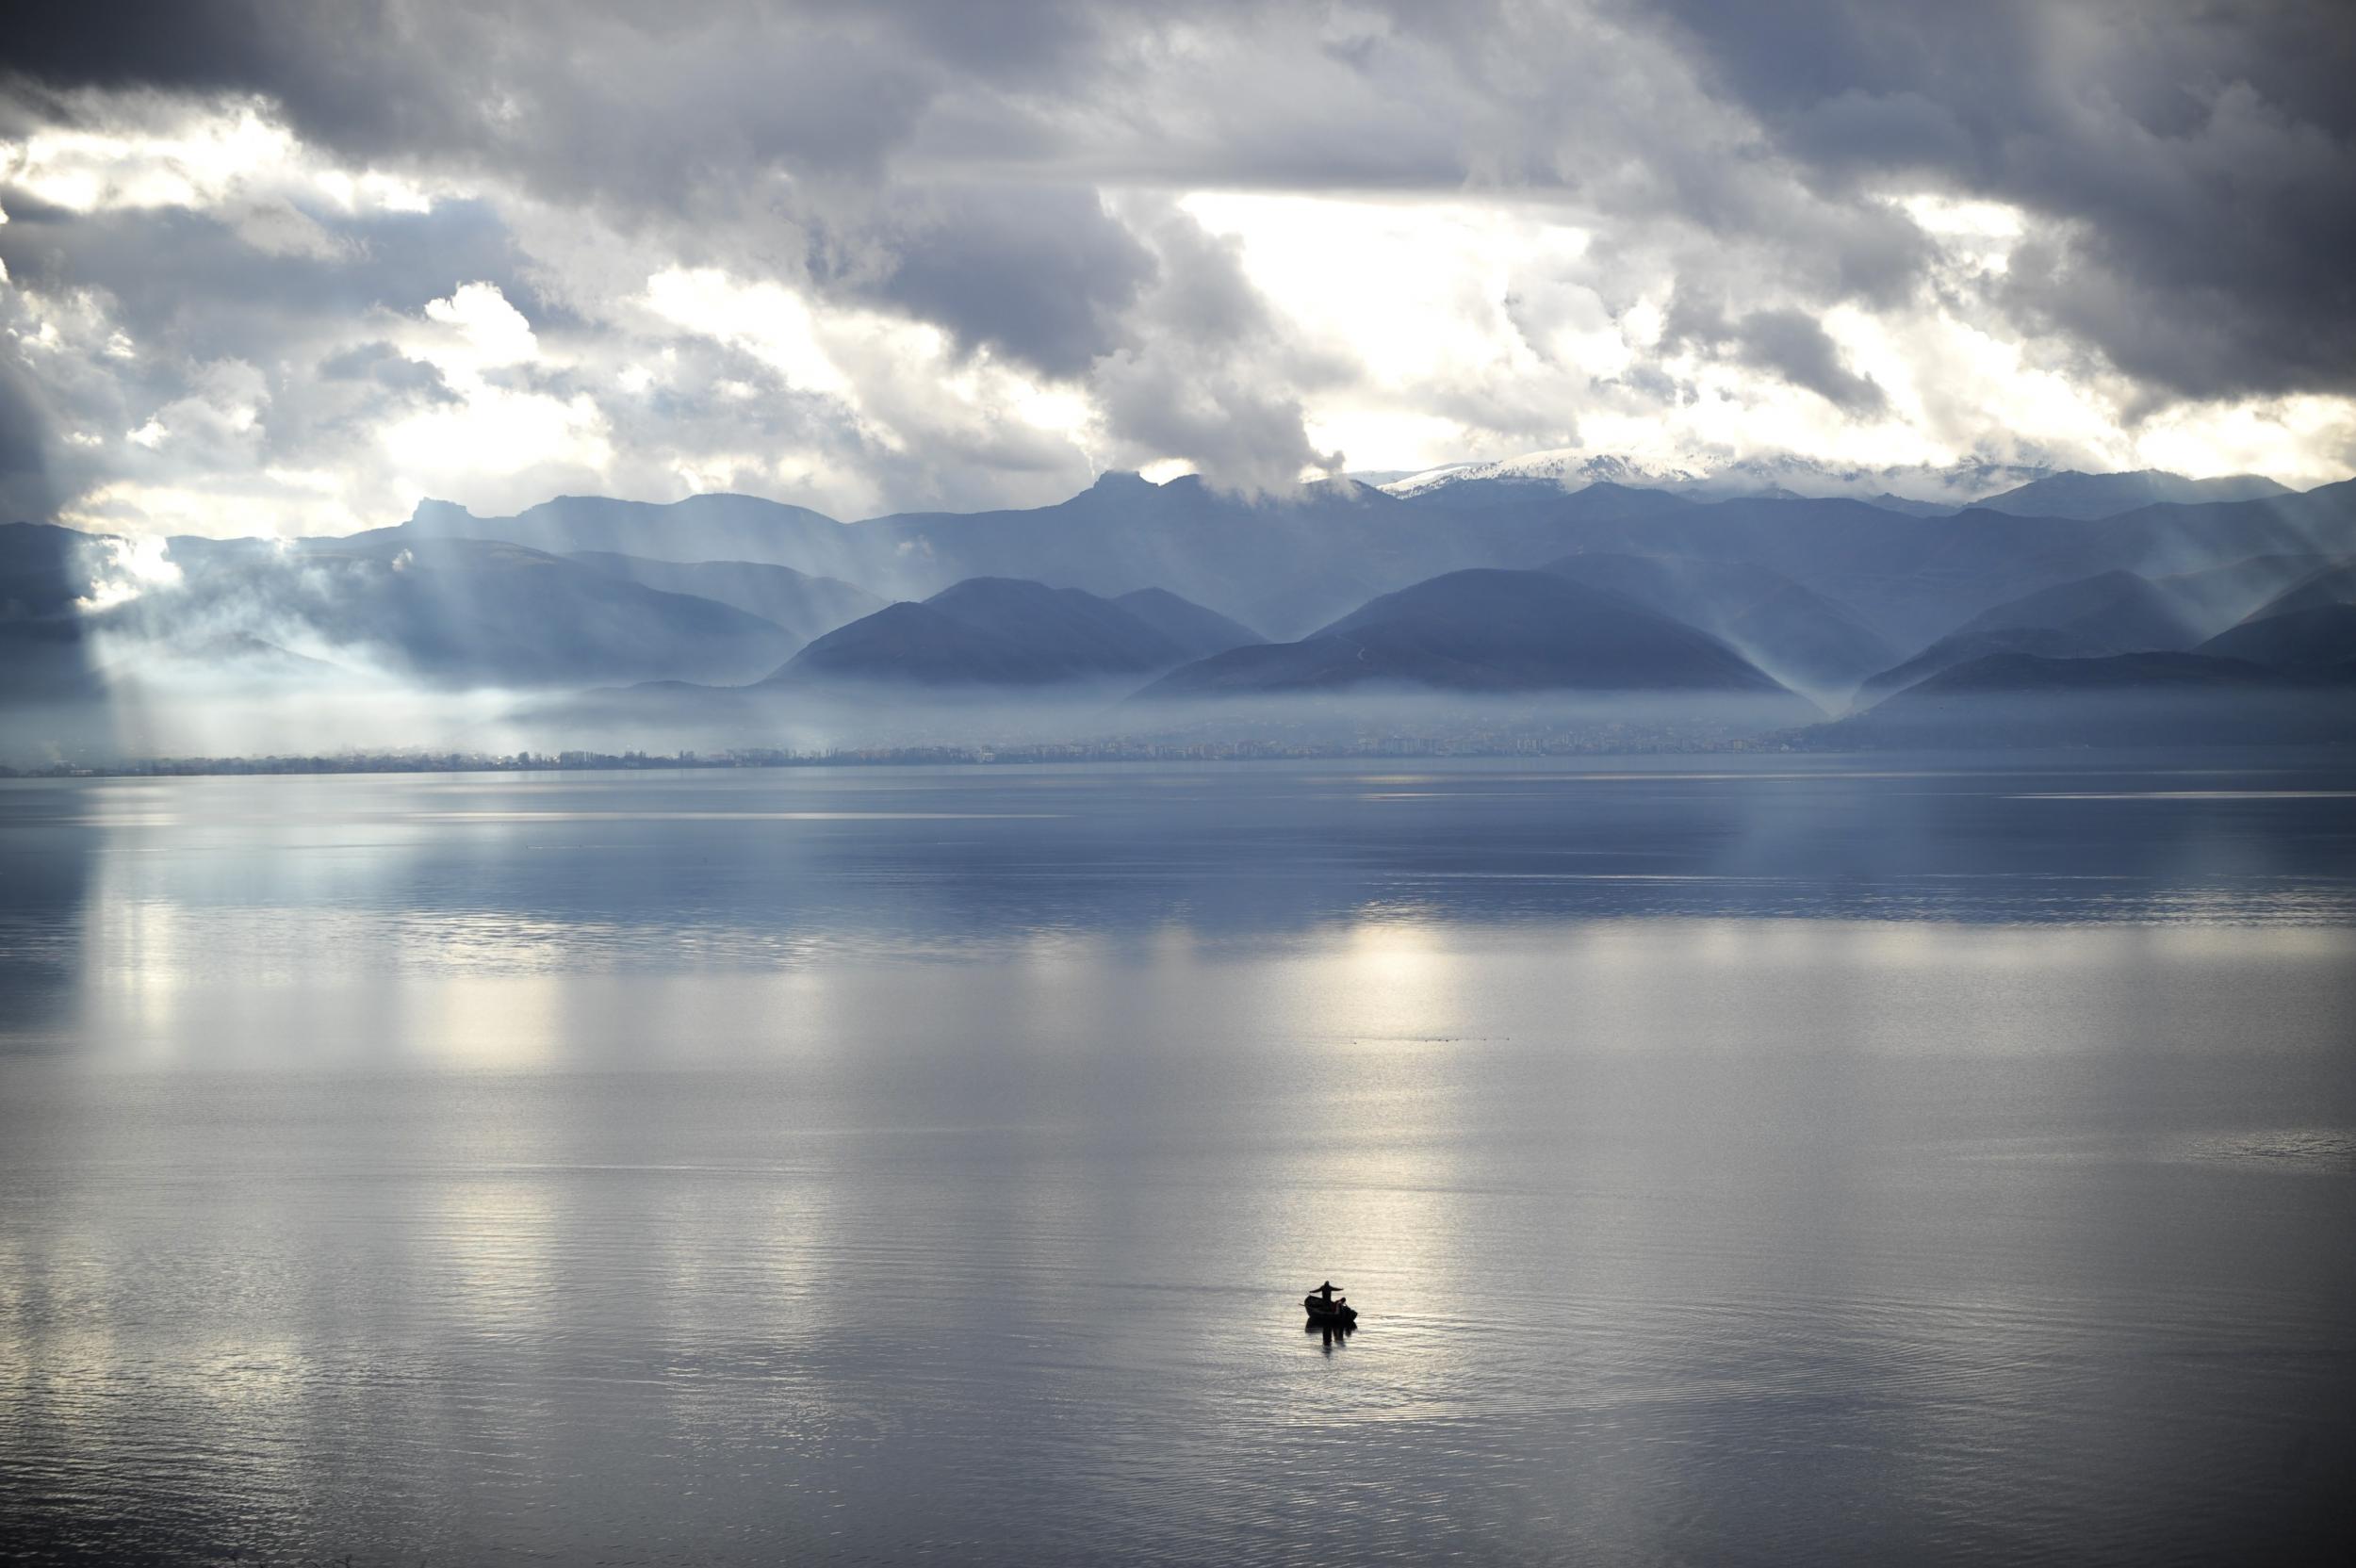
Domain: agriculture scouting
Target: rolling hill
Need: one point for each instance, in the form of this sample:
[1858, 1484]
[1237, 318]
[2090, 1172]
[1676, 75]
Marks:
[1485, 630]
[1005, 631]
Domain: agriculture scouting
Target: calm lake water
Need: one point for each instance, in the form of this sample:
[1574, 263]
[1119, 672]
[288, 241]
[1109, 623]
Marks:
[1780, 1161]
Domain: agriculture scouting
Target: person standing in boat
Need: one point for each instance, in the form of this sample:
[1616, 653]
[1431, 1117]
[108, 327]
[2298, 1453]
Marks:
[1326, 1290]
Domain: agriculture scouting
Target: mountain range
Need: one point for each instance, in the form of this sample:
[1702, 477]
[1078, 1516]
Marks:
[1289, 565]
[1479, 582]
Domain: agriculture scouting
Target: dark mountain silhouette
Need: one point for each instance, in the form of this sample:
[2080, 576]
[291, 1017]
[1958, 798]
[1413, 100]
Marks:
[2320, 637]
[803, 605]
[912, 643]
[1005, 631]
[1913, 508]
[1795, 634]
[2135, 699]
[2023, 672]
[2110, 612]
[1485, 630]
[2072, 494]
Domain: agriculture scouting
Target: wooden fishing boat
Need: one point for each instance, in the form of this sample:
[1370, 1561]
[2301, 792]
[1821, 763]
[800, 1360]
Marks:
[1326, 1307]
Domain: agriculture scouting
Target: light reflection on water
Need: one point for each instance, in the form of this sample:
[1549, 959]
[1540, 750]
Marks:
[1785, 1166]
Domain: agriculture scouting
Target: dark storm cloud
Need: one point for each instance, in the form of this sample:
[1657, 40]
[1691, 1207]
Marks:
[1795, 346]
[743, 130]
[1788, 344]
[596, 97]
[2194, 159]
[2187, 172]
[2196, 163]
[225, 298]
[1044, 273]
[385, 366]
[25, 493]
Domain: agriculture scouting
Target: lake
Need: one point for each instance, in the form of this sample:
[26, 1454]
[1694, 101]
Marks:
[1734, 1159]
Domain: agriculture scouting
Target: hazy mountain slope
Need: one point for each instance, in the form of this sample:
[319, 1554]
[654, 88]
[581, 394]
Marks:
[235, 656]
[1795, 634]
[2322, 636]
[700, 528]
[1961, 648]
[1289, 561]
[2214, 597]
[1903, 573]
[2073, 493]
[456, 611]
[2117, 604]
[803, 605]
[1283, 563]
[2110, 612]
[2330, 582]
[1484, 630]
[1199, 630]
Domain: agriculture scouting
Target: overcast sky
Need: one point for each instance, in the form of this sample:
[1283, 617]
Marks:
[284, 266]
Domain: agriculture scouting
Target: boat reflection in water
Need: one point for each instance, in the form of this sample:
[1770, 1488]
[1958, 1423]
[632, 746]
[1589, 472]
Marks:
[1332, 1332]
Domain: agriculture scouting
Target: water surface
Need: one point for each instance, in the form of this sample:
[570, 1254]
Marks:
[1779, 1160]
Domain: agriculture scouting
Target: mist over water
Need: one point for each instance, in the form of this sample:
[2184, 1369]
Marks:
[1734, 1159]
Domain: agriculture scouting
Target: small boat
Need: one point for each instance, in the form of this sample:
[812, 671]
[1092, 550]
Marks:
[1326, 1307]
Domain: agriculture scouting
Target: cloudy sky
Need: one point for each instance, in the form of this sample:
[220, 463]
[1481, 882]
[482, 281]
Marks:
[279, 267]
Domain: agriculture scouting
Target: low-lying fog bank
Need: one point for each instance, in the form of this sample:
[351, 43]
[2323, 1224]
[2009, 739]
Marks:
[147, 721]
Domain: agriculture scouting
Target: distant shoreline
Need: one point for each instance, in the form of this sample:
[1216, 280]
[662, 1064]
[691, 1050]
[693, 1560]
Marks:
[972, 755]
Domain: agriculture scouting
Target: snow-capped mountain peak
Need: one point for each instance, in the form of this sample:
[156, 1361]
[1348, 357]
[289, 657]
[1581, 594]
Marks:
[1907, 487]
